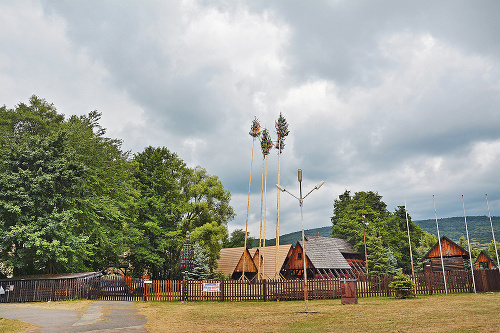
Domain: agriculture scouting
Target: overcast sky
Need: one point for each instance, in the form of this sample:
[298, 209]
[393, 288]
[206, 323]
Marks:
[397, 97]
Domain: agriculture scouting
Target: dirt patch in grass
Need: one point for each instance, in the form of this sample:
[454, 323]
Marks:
[438, 313]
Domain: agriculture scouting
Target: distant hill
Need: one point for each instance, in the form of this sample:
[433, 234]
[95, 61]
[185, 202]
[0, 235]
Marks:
[294, 237]
[454, 227]
[451, 227]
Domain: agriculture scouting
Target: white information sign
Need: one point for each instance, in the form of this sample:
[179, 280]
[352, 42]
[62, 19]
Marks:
[211, 287]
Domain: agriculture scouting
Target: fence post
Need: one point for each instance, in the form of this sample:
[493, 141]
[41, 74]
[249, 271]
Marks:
[429, 279]
[264, 290]
[221, 291]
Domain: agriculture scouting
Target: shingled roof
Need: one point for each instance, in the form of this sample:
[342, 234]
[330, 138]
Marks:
[338, 243]
[326, 253]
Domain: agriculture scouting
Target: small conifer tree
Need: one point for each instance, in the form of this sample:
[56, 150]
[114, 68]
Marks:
[403, 286]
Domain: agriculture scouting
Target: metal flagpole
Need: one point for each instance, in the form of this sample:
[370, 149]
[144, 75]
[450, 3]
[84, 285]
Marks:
[440, 249]
[468, 243]
[409, 242]
[493, 233]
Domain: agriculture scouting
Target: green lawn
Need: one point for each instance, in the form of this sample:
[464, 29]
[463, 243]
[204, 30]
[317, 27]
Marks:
[438, 313]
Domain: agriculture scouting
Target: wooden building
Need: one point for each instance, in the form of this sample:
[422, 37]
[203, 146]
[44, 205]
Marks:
[231, 261]
[325, 257]
[483, 261]
[268, 260]
[453, 256]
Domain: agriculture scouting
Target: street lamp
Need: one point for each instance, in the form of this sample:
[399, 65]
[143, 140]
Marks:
[301, 200]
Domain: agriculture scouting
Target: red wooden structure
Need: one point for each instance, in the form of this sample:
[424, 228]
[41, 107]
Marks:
[483, 261]
[453, 256]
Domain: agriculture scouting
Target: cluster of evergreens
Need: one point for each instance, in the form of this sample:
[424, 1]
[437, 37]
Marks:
[72, 200]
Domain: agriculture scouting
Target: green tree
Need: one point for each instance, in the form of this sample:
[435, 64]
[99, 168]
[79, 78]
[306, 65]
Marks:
[103, 198]
[38, 184]
[155, 235]
[174, 199]
[207, 200]
[403, 286]
[210, 237]
[347, 223]
[201, 269]
[36, 118]
[237, 239]
[378, 260]
[491, 251]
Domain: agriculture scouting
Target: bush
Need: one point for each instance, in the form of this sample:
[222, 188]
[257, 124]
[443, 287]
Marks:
[403, 286]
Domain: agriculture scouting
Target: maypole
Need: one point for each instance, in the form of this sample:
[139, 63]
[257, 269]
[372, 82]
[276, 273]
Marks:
[282, 131]
[265, 144]
[409, 243]
[440, 248]
[468, 244]
[492, 232]
[254, 132]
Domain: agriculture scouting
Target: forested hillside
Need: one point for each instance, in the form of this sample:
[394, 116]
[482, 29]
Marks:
[454, 227]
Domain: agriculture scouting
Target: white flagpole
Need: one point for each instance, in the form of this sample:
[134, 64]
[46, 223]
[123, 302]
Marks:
[493, 233]
[440, 249]
[409, 243]
[468, 243]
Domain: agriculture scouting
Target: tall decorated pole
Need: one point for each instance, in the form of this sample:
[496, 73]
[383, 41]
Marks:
[266, 144]
[254, 133]
[281, 131]
[186, 263]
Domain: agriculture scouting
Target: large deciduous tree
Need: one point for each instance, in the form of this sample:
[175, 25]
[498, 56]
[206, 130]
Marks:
[174, 199]
[38, 183]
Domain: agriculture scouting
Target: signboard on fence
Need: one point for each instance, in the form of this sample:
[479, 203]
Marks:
[211, 287]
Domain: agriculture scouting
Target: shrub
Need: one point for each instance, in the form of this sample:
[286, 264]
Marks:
[403, 286]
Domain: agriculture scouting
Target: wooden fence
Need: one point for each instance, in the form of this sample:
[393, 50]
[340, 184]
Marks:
[43, 290]
[128, 289]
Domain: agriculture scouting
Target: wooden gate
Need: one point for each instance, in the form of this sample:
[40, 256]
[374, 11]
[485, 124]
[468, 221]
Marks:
[117, 288]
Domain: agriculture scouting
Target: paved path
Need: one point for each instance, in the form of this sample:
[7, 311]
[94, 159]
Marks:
[101, 316]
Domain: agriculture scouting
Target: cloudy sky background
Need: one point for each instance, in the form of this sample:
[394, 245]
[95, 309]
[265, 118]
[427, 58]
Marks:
[397, 97]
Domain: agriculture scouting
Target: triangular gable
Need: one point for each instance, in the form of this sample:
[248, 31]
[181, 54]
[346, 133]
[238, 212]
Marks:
[295, 262]
[485, 260]
[449, 248]
[249, 264]
[269, 259]
[229, 258]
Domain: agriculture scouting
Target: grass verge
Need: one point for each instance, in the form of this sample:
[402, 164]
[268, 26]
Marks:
[14, 326]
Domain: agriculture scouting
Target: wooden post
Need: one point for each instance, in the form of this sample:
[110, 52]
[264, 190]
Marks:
[264, 290]
[222, 291]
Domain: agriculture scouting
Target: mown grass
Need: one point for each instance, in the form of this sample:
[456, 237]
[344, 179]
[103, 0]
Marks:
[438, 313]
[14, 326]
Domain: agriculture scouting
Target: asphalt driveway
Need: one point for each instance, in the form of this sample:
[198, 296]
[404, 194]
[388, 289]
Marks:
[101, 316]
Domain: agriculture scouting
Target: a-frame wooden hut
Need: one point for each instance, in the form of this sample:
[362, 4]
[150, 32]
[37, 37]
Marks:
[453, 257]
[268, 260]
[483, 261]
[250, 267]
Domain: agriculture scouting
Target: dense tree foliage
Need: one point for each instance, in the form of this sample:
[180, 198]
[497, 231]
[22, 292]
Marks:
[347, 222]
[237, 239]
[72, 200]
[37, 193]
